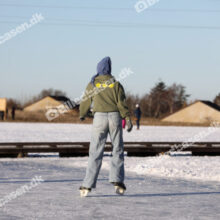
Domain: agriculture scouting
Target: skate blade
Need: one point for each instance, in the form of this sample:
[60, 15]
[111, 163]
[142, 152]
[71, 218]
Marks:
[119, 190]
[84, 192]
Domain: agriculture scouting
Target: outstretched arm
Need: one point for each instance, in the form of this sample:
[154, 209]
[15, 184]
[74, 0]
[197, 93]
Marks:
[122, 105]
[85, 102]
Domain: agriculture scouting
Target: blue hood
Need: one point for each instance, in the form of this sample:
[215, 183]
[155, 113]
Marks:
[104, 67]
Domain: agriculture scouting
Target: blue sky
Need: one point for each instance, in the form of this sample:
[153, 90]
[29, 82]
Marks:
[61, 53]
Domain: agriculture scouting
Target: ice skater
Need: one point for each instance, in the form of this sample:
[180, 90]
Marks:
[109, 108]
[137, 114]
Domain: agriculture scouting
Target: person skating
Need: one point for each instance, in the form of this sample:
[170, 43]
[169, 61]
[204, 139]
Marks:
[13, 113]
[2, 115]
[137, 114]
[109, 107]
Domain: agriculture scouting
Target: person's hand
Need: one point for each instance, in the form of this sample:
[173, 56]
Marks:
[129, 124]
[81, 118]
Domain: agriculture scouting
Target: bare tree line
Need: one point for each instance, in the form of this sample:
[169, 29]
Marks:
[217, 100]
[161, 100]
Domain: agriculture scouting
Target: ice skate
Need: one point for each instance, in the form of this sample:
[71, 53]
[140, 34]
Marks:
[84, 191]
[119, 188]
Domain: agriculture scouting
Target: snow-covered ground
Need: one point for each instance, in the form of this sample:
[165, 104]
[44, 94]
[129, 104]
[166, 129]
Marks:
[187, 167]
[10, 132]
[163, 187]
[181, 167]
[147, 197]
[184, 167]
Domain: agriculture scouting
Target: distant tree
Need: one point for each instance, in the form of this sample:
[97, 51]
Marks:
[158, 99]
[13, 103]
[163, 100]
[146, 105]
[176, 97]
[50, 92]
[217, 100]
[132, 100]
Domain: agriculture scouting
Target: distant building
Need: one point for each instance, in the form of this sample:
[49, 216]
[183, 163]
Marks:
[50, 102]
[3, 108]
[198, 112]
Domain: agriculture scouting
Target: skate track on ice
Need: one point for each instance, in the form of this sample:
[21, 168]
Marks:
[58, 197]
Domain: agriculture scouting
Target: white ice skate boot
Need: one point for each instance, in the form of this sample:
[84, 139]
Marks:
[84, 191]
[119, 188]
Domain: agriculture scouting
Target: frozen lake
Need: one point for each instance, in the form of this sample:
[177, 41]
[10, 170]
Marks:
[22, 132]
[147, 197]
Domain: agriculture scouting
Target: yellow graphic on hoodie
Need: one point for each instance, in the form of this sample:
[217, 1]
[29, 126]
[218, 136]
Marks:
[104, 85]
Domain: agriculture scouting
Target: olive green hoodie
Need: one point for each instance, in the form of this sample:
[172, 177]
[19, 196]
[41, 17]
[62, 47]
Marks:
[106, 96]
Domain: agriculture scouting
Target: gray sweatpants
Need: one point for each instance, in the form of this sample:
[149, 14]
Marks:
[103, 124]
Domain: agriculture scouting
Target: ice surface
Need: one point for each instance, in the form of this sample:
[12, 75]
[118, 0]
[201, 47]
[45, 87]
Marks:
[164, 187]
[147, 197]
[22, 132]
